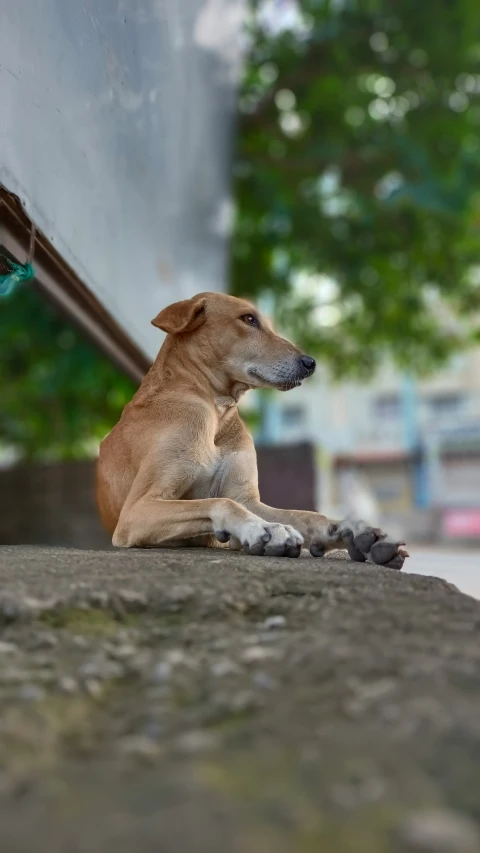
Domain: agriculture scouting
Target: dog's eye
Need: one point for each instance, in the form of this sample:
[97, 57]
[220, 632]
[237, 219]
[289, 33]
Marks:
[250, 320]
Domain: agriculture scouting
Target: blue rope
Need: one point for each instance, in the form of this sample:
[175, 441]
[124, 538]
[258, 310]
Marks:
[15, 275]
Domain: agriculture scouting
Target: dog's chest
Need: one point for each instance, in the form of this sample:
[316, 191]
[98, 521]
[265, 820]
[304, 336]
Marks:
[210, 480]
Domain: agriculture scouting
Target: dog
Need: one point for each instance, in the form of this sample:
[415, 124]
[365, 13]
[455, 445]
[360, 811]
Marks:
[180, 469]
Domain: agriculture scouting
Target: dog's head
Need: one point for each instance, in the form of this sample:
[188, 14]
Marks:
[230, 336]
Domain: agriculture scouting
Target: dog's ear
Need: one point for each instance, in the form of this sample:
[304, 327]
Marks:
[180, 317]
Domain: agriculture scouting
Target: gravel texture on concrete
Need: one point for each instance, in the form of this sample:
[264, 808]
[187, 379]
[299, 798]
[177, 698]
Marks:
[204, 701]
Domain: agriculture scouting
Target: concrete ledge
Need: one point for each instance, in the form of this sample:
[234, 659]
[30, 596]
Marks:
[204, 700]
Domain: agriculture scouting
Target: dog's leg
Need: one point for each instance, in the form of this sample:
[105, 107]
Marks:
[150, 521]
[320, 534]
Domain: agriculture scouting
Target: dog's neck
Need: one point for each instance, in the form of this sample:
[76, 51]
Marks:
[174, 365]
[223, 402]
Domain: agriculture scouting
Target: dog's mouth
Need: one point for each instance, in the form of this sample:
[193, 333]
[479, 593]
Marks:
[280, 384]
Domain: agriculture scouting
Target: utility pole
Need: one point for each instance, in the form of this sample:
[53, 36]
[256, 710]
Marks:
[414, 444]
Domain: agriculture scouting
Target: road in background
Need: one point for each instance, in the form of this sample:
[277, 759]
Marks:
[460, 566]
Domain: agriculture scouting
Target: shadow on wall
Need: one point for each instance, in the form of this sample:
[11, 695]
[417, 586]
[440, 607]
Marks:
[55, 504]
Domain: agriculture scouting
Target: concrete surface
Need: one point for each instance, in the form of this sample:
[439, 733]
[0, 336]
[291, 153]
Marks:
[207, 701]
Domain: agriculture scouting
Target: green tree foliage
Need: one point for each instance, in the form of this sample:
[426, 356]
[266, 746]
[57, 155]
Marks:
[359, 159]
[58, 393]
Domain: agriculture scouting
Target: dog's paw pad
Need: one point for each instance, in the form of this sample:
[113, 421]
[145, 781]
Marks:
[363, 542]
[293, 548]
[256, 549]
[317, 549]
[271, 540]
[285, 541]
[222, 535]
[382, 551]
[398, 560]
[354, 553]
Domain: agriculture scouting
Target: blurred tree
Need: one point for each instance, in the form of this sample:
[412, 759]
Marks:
[59, 394]
[358, 176]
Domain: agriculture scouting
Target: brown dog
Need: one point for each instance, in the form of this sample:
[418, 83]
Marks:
[180, 466]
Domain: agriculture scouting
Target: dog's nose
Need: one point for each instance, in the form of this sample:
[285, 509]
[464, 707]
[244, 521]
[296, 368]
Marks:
[308, 363]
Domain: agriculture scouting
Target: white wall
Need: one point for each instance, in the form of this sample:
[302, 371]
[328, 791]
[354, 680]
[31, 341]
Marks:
[116, 121]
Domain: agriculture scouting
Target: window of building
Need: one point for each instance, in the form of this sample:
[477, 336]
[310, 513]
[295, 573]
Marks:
[445, 404]
[387, 406]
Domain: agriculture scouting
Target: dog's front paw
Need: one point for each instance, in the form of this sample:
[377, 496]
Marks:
[364, 542]
[284, 541]
[260, 538]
